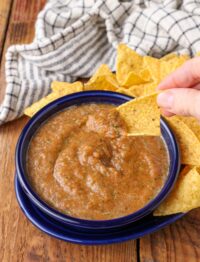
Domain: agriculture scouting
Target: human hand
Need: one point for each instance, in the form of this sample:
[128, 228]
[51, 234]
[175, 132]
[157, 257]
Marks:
[181, 91]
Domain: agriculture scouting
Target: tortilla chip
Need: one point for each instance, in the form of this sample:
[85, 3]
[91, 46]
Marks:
[184, 196]
[125, 91]
[34, 108]
[103, 79]
[101, 71]
[102, 83]
[153, 65]
[141, 77]
[188, 142]
[167, 67]
[186, 57]
[127, 61]
[71, 87]
[161, 68]
[135, 90]
[143, 89]
[192, 123]
[168, 57]
[150, 88]
[142, 116]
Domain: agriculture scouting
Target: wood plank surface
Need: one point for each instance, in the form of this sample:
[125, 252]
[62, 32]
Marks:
[177, 242]
[19, 239]
[5, 8]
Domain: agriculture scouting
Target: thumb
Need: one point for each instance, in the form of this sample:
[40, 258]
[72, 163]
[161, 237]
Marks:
[180, 101]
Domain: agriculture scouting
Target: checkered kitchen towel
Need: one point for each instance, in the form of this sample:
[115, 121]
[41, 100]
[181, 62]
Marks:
[74, 37]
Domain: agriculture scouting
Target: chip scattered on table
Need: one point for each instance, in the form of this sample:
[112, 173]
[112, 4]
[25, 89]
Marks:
[142, 116]
[168, 57]
[103, 79]
[153, 65]
[167, 67]
[59, 91]
[127, 61]
[134, 91]
[185, 195]
[125, 91]
[103, 70]
[137, 90]
[188, 142]
[192, 123]
[134, 78]
[161, 68]
[68, 87]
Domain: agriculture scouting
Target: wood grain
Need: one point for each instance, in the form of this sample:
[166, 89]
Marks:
[19, 239]
[5, 8]
[177, 242]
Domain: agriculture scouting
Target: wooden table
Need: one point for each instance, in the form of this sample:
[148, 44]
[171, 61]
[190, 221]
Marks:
[19, 239]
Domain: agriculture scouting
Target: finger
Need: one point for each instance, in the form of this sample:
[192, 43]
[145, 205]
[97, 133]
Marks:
[180, 101]
[187, 75]
[197, 86]
[166, 113]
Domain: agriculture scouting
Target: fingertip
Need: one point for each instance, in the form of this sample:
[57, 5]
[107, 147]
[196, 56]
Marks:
[166, 113]
[165, 99]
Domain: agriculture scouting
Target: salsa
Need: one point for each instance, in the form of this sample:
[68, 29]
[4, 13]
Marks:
[82, 163]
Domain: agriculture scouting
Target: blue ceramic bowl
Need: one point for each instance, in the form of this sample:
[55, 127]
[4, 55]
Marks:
[83, 224]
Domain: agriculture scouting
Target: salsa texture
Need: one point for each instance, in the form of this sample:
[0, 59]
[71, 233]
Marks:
[82, 163]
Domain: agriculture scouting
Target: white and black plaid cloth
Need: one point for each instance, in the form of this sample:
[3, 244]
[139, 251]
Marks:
[74, 37]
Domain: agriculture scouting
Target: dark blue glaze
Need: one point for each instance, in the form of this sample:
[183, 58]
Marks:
[47, 224]
[88, 97]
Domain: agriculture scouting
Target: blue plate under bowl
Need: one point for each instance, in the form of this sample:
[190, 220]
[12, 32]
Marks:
[48, 225]
[76, 223]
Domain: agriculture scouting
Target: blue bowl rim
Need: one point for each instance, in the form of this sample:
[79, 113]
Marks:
[85, 223]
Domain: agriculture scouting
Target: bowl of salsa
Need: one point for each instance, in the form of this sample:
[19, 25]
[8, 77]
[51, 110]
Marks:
[76, 163]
